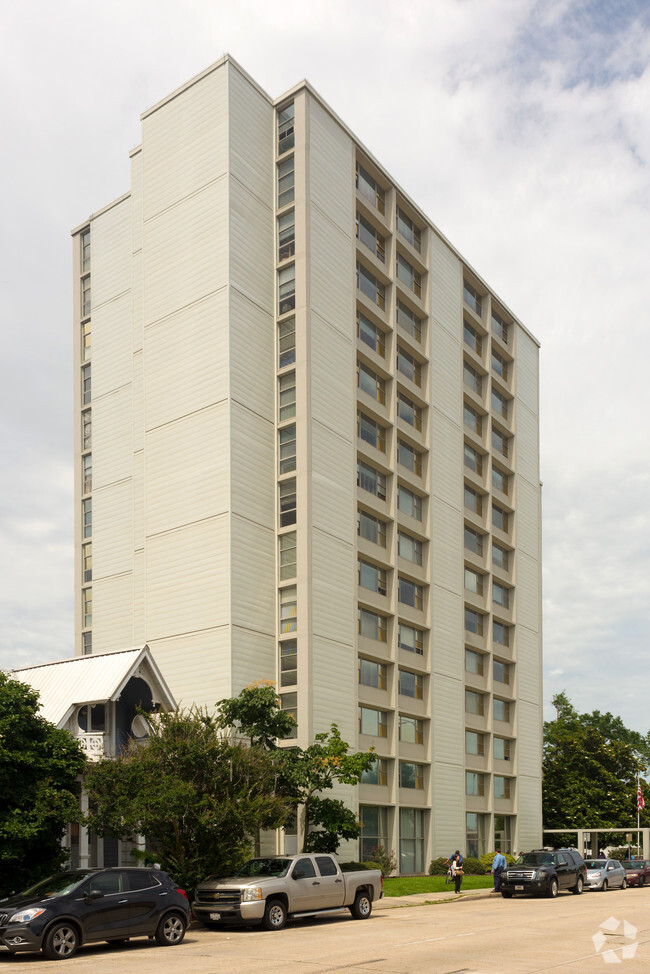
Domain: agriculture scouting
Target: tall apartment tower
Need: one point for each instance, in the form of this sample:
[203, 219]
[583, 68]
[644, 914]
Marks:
[310, 455]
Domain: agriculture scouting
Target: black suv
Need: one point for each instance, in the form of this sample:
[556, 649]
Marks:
[84, 905]
[544, 872]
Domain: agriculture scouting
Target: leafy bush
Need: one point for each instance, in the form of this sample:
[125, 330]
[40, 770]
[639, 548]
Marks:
[349, 867]
[439, 866]
[474, 867]
[487, 857]
[384, 860]
[624, 852]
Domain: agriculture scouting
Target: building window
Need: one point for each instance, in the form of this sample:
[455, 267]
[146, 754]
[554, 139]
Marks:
[87, 517]
[410, 730]
[474, 783]
[411, 775]
[285, 128]
[288, 663]
[369, 189]
[473, 500]
[499, 518]
[474, 622]
[500, 556]
[374, 830]
[286, 396]
[501, 710]
[287, 342]
[474, 743]
[371, 287]
[409, 503]
[371, 480]
[501, 786]
[477, 830]
[408, 366]
[410, 639]
[409, 548]
[499, 480]
[87, 473]
[474, 703]
[87, 562]
[286, 182]
[407, 229]
[499, 365]
[288, 555]
[374, 723]
[85, 341]
[85, 250]
[87, 643]
[86, 385]
[408, 275]
[286, 289]
[499, 327]
[372, 625]
[287, 448]
[500, 634]
[472, 298]
[499, 404]
[501, 671]
[86, 608]
[410, 684]
[288, 502]
[501, 749]
[473, 460]
[473, 420]
[377, 774]
[409, 593]
[500, 441]
[85, 296]
[371, 383]
[372, 577]
[473, 541]
[370, 334]
[473, 581]
[411, 840]
[472, 338]
[408, 321]
[368, 236]
[473, 662]
[500, 595]
[371, 528]
[286, 235]
[289, 703]
[472, 379]
[408, 457]
[86, 430]
[372, 674]
[288, 609]
[371, 432]
[408, 411]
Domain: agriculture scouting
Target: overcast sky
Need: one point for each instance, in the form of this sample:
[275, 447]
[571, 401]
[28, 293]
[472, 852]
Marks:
[521, 128]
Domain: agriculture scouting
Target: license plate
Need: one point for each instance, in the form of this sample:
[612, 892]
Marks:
[519, 887]
[215, 916]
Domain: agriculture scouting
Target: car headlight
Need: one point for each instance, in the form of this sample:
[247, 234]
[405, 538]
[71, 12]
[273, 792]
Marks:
[25, 916]
[251, 893]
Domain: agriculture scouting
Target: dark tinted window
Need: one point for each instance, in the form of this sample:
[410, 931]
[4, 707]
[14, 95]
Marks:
[306, 867]
[140, 879]
[326, 866]
[107, 883]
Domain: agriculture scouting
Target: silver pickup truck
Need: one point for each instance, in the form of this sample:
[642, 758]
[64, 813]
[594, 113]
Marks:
[271, 889]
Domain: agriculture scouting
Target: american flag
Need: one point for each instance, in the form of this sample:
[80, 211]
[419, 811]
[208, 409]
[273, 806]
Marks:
[640, 801]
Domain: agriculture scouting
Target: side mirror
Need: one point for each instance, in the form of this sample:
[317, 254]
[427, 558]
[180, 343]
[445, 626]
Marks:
[93, 894]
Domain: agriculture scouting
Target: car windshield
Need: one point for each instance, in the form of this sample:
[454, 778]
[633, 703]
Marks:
[56, 885]
[535, 859]
[267, 866]
[595, 863]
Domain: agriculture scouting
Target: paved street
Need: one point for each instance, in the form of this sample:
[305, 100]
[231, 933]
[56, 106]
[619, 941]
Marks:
[472, 934]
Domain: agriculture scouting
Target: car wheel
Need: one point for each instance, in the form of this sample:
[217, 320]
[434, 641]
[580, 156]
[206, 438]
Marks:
[551, 892]
[171, 930]
[624, 883]
[275, 915]
[577, 889]
[362, 906]
[641, 881]
[61, 942]
[605, 886]
[506, 894]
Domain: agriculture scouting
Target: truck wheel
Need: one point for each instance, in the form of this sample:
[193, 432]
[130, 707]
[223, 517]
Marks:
[362, 906]
[275, 915]
[552, 888]
[61, 942]
[506, 894]
[577, 889]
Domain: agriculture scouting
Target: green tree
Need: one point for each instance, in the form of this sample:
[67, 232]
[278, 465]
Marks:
[39, 768]
[199, 796]
[590, 767]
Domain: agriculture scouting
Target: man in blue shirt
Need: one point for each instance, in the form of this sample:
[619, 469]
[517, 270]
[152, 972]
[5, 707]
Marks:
[498, 865]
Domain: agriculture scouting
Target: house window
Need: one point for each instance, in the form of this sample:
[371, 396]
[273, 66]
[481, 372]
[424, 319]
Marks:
[500, 634]
[87, 562]
[409, 503]
[407, 229]
[408, 321]
[87, 517]
[286, 342]
[85, 341]
[85, 250]
[408, 457]
[473, 460]
[370, 334]
[288, 663]
[408, 366]
[85, 296]
[474, 783]
[372, 577]
[472, 298]
[371, 432]
[472, 338]
[473, 500]
[473, 581]
[499, 404]
[285, 128]
[288, 609]
[287, 448]
[474, 622]
[371, 480]
[288, 555]
[499, 480]
[410, 639]
[377, 774]
[409, 593]
[87, 643]
[373, 722]
[473, 703]
[372, 674]
[288, 502]
[408, 275]
[286, 182]
[411, 729]
[500, 595]
[286, 235]
[371, 383]
[501, 748]
[501, 786]
[408, 411]
[286, 289]
[409, 548]
[86, 608]
[499, 365]
[371, 287]
[474, 743]
[500, 327]
[501, 710]
[499, 518]
[368, 236]
[500, 556]
[86, 385]
[473, 541]
[371, 528]
[473, 421]
[87, 473]
[500, 441]
[372, 625]
[501, 671]
[86, 430]
[472, 379]
[286, 396]
[289, 703]
[369, 189]
[410, 684]
[473, 662]
[411, 775]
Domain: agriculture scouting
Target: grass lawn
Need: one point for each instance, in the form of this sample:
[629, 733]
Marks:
[403, 886]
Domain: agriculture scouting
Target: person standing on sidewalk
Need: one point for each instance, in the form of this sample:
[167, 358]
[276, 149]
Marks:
[457, 871]
[498, 865]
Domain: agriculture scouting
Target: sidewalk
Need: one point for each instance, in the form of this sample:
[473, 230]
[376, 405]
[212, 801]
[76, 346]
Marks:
[419, 899]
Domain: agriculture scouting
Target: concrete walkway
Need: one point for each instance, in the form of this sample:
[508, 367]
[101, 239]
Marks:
[419, 899]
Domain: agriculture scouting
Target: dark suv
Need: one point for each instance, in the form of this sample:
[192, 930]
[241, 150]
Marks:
[85, 905]
[544, 872]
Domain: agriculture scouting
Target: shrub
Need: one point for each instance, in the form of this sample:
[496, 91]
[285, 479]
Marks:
[383, 860]
[623, 852]
[349, 867]
[487, 857]
[439, 866]
[473, 866]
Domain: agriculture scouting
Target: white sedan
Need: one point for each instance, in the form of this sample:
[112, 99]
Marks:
[605, 874]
